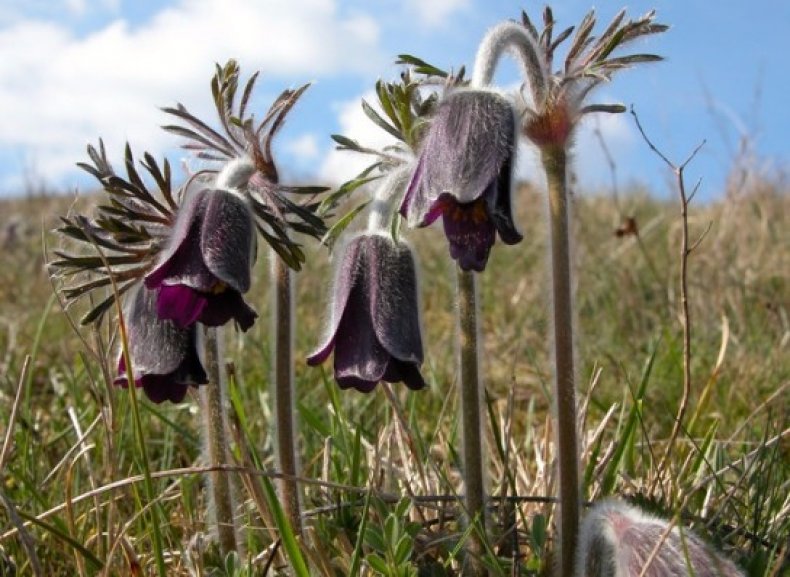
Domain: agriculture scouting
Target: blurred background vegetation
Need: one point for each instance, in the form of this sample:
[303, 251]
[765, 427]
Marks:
[728, 476]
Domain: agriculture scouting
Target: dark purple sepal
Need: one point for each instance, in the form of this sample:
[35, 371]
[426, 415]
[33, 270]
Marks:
[463, 174]
[374, 331]
[345, 278]
[358, 354]
[352, 382]
[227, 305]
[210, 252]
[470, 234]
[165, 356]
[470, 139]
[161, 388]
[404, 372]
[394, 308]
[184, 233]
[499, 203]
[227, 239]
[181, 304]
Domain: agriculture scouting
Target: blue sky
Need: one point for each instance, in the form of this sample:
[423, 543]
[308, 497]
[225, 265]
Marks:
[72, 71]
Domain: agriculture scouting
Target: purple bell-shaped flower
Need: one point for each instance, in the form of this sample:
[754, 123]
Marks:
[463, 174]
[374, 330]
[164, 356]
[205, 268]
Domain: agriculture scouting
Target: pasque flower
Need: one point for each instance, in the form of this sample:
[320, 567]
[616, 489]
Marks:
[205, 268]
[619, 540]
[463, 174]
[374, 330]
[164, 356]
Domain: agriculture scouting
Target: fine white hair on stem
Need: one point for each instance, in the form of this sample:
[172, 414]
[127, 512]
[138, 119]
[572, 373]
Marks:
[386, 195]
[235, 174]
[619, 540]
[515, 38]
[221, 502]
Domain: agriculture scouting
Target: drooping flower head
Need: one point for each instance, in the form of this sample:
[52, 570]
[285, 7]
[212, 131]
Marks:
[618, 540]
[205, 268]
[164, 356]
[463, 174]
[374, 330]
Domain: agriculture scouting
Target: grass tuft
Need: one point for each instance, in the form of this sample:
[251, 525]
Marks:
[380, 474]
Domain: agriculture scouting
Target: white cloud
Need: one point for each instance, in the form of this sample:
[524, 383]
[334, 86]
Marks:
[82, 7]
[59, 91]
[436, 12]
[342, 165]
[77, 7]
[304, 146]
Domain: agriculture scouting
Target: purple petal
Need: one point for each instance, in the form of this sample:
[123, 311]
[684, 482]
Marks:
[185, 267]
[321, 354]
[181, 304]
[393, 298]
[358, 354]
[415, 204]
[184, 233]
[500, 206]
[346, 276]
[404, 372]
[227, 238]
[353, 382]
[228, 304]
[160, 388]
[157, 346]
[165, 357]
[471, 234]
[471, 136]
[442, 203]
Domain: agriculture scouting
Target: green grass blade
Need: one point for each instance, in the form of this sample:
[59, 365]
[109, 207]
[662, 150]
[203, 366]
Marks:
[627, 435]
[289, 541]
[62, 535]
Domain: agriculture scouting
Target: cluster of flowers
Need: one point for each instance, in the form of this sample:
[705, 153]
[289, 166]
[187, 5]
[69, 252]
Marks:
[200, 278]
[460, 170]
[184, 258]
[463, 174]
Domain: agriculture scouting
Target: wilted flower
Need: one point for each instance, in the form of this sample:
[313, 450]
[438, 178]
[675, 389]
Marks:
[205, 268]
[164, 356]
[618, 540]
[464, 174]
[374, 329]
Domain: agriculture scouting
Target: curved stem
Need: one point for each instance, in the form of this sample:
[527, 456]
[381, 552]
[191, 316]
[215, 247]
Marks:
[471, 421]
[385, 196]
[510, 35]
[287, 461]
[235, 174]
[213, 398]
[554, 163]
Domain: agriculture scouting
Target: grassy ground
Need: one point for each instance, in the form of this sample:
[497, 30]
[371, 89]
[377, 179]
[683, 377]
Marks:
[374, 465]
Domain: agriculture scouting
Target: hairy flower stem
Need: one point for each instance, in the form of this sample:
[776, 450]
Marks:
[287, 462]
[501, 38]
[385, 197]
[471, 422]
[554, 163]
[212, 396]
[512, 37]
